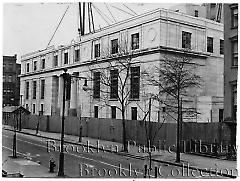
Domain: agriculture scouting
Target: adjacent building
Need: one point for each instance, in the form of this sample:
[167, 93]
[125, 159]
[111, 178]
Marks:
[212, 11]
[149, 36]
[230, 65]
[11, 81]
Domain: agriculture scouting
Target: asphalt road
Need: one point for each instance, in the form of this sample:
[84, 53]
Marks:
[85, 163]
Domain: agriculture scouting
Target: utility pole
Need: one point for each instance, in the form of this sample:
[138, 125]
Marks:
[149, 134]
[20, 119]
[61, 156]
[178, 129]
[15, 142]
[20, 114]
[181, 124]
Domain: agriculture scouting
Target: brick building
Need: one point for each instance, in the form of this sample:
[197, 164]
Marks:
[11, 81]
[230, 65]
[155, 33]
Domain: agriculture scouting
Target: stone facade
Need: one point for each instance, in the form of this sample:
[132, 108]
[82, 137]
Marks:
[160, 32]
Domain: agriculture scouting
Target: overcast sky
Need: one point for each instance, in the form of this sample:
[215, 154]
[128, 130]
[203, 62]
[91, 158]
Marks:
[28, 27]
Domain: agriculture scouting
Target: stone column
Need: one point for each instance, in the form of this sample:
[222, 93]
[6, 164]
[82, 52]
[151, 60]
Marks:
[73, 98]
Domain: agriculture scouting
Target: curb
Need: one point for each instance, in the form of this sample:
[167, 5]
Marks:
[133, 156]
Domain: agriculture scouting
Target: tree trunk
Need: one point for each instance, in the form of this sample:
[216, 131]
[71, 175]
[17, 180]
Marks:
[125, 147]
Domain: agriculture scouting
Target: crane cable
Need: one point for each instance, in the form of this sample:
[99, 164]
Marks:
[130, 9]
[110, 12]
[122, 10]
[99, 12]
[58, 26]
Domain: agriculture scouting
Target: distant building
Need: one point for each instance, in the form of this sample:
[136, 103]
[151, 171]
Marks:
[149, 36]
[230, 65]
[212, 11]
[11, 81]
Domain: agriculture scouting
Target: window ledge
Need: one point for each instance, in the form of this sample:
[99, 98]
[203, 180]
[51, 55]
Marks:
[234, 27]
[134, 99]
[234, 66]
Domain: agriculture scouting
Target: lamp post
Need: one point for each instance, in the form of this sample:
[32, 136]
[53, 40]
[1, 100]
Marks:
[15, 142]
[66, 77]
[61, 156]
[20, 115]
[40, 113]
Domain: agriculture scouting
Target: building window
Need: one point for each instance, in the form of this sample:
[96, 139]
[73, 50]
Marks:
[4, 78]
[220, 115]
[114, 46]
[235, 53]
[35, 65]
[196, 13]
[134, 113]
[234, 101]
[27, 67]
[96, 85]
[113, 111]
[55, 61]
[234, 17]
[222, 47]
[114, 84]
[95, 111]
[27, 90]
[97, 50]
[42, 88]
[4, 67]
[135, 41]
[34, 89]
[34, 109]
[77, 55]
[42, 108]
[43, 63]
[66, 58]
[186, 40]
[10, 67]
[27, 107]
[135, 82]
[210, 44]
[10, 78]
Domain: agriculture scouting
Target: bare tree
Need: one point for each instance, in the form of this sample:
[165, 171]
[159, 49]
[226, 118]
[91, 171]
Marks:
[114, 75]
[174, 77]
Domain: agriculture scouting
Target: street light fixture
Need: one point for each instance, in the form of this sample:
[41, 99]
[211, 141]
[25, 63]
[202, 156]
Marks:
[61, 156]
[66, 77]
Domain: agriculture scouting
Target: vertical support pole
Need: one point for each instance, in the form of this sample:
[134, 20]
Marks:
[178, 130]
[15, 143]
[181, 124]
[61, 156]
[20, 120]
[92, 17]
[156, 171]
[83, 20]
[149, 135]
[145, 171]
[80, 19]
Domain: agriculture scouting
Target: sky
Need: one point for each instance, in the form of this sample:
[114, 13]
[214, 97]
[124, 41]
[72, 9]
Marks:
[28, 27]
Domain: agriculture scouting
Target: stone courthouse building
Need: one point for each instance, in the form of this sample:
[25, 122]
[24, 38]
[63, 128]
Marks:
[154, 33]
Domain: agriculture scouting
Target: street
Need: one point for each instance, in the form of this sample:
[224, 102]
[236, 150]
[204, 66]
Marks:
[91, 164]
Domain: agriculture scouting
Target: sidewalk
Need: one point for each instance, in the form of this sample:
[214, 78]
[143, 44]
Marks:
[21, 165]
[193, 161]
